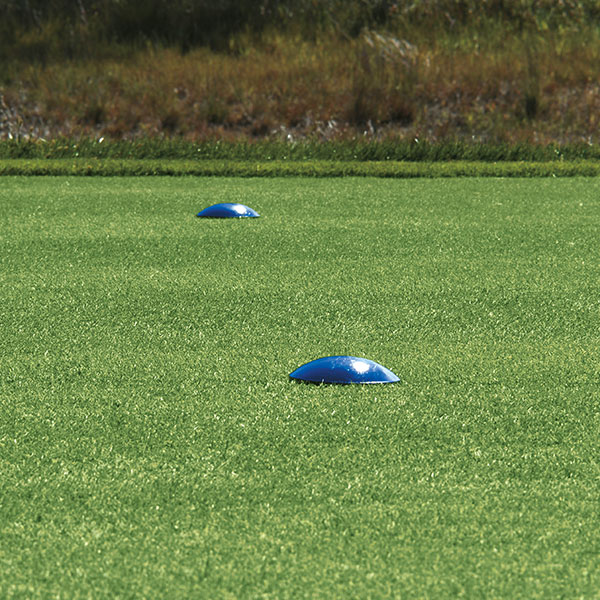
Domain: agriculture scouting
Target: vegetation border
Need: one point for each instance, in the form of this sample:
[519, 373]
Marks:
[314, 168]
[303, 151]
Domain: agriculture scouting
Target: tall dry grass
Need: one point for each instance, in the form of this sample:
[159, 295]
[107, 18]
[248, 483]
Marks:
[518, 86]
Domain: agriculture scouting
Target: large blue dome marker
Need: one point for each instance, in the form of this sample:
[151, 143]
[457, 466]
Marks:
[227, 210]
[344, 369]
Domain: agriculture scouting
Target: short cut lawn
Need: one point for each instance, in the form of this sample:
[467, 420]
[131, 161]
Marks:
[152, 444]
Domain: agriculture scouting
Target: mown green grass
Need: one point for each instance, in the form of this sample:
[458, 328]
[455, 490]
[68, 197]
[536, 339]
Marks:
[110, 167]
[152, 445]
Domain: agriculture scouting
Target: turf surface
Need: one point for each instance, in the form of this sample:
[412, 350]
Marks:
[152, 445]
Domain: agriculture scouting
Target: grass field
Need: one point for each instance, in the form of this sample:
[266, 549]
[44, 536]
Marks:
[152, 445]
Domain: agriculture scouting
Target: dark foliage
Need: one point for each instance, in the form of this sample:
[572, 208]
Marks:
[43, 29]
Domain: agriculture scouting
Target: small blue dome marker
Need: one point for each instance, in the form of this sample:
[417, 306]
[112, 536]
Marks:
[227, 210]
[344, 369]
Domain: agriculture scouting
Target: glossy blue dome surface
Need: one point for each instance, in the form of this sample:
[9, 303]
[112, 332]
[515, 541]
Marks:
[344, 369]
[227, 210]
